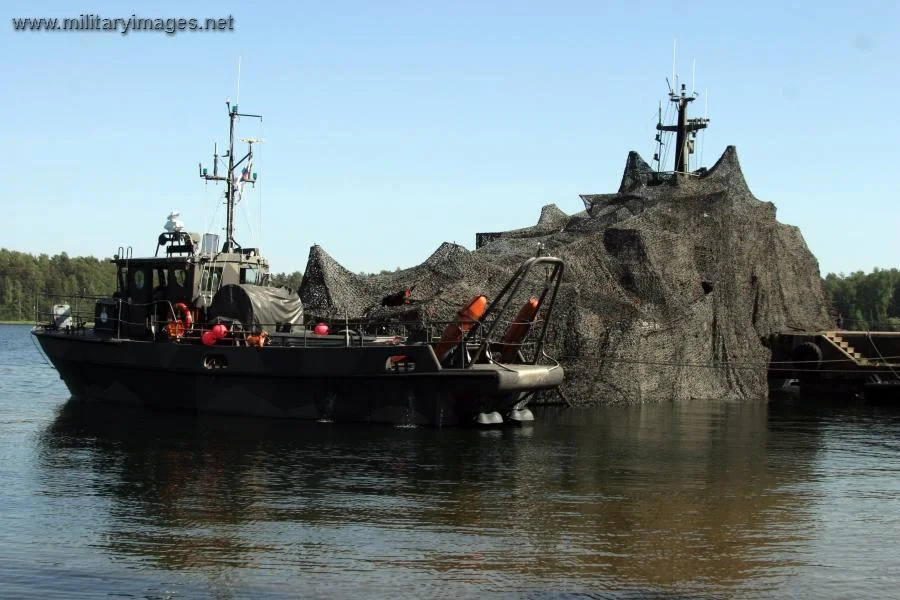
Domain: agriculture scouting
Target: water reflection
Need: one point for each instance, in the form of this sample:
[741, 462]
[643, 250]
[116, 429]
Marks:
[690, 498]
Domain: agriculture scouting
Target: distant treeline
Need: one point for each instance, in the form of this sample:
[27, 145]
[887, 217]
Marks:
[860, 301]
[291, 282]
[865, 301]
[26, 279]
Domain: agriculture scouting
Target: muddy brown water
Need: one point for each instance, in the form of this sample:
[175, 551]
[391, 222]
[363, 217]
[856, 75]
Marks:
[691, 500]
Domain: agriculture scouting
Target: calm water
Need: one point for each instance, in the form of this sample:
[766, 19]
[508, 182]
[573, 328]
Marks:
[708, 500]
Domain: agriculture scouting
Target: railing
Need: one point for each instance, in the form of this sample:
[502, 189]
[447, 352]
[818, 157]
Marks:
[503, 302]
[481, 343]
[81, 310]
[655, 178]
[81, 316]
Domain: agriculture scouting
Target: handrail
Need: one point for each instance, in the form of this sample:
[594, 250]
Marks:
[482, 337]
[510, 290]
[359, 329]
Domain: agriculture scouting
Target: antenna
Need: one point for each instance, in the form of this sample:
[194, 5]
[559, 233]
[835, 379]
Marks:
[674, 47]
[659, 143]
[238, 101]
[694, 76]
[705, 119]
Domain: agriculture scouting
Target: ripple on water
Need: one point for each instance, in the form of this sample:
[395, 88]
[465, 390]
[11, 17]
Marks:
[700, 499]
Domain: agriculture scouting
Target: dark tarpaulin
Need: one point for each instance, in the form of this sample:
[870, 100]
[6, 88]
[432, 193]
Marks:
[257, 307]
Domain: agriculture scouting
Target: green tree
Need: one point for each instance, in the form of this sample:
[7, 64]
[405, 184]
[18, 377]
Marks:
[864, 301]
[291, 281]
[26, 279]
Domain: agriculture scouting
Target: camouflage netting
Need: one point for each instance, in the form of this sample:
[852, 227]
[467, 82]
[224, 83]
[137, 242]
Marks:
[671, 285]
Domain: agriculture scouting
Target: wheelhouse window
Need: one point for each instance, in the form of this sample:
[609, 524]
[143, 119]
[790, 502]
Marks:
[179, 276]
[123, 279]
[178, 284]
[249, 275]
[211, 279]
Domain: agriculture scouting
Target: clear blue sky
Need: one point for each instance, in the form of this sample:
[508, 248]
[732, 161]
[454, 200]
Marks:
[391, 127]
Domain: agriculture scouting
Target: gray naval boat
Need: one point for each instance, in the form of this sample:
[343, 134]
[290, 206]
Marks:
[197, 328]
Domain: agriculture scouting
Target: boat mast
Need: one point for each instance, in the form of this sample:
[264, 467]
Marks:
[686, 129]
[229, 190]
[229, 178]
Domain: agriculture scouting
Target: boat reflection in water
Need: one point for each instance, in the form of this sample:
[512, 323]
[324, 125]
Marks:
[695, 498]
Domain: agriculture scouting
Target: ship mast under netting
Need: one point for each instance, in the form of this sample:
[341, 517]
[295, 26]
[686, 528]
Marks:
[685, 131]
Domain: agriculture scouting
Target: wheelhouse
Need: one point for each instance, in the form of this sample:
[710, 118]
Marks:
[182, 271]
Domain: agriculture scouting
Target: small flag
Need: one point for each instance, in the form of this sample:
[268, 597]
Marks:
[245, 174]
[245, 177]
[235, 192]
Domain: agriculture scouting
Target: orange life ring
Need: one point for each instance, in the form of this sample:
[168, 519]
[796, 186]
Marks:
[175, 329]
[517, 330]
[188, 317]
[465, 320]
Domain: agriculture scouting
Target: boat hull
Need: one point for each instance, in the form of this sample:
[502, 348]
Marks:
[340, 384]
